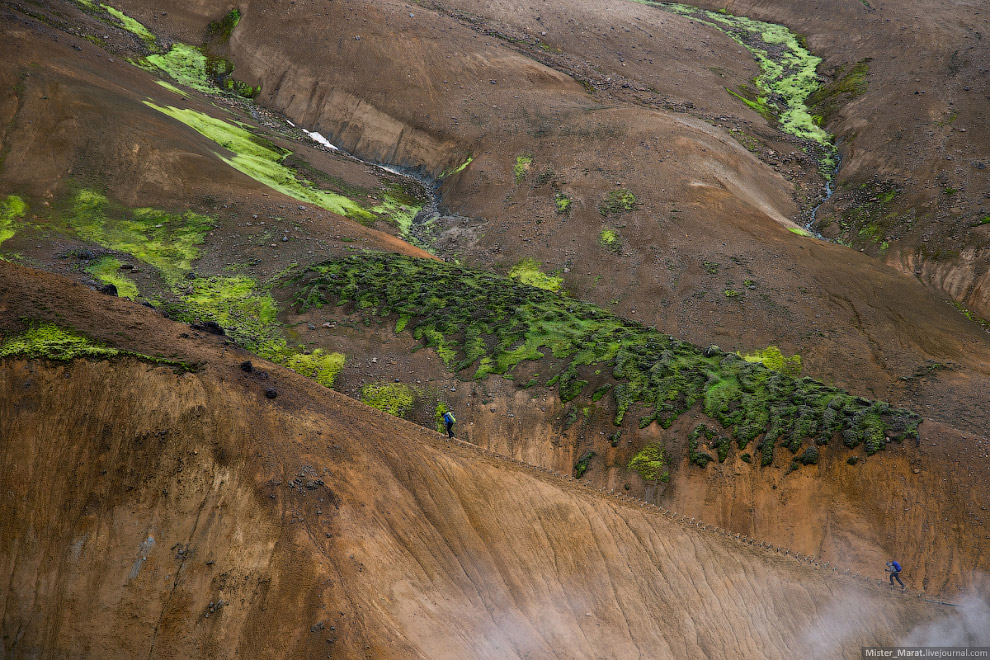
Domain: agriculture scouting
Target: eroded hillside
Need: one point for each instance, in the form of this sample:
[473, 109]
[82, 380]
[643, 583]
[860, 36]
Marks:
[670, 328]
[187, 514]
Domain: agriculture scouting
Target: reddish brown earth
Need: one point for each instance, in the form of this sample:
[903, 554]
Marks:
[149, 513]
[416, 91]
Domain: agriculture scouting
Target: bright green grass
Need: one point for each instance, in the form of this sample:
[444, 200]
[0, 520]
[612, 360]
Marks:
[478, 320]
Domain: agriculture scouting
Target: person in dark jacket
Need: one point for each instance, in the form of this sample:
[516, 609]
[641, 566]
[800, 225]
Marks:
[448, 422]
[895, 572]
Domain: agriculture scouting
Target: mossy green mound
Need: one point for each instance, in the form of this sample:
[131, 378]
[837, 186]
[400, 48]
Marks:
[528, 272]
[477, 319]
[651, 463]
[772, 358]
[12, 209]
[47, 341]
[394, 398]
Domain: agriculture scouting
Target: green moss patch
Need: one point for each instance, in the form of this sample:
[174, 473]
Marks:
[107, 270]
[651, 463]
[318, 365]
[222, 29]
[618, 201]
[12, 210]
[528, 272]
[848, 85]
[609, 239]
[394, 398]
[489, 323]
[562, 202]
[582, 464]
[455, 170]
[47, 341]
[787, 77]
[168, 241]
[262, 161]
[132, 26]
[771, 358]
[523, 163]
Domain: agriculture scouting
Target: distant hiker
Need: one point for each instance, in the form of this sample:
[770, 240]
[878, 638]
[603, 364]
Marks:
[895, 572]
[448, 421]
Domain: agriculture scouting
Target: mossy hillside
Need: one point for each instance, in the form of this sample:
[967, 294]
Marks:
[489, 323]
[107, 270]
[848, 85]
[528, 272]
[264, 162]
[12, 211]
[47, 341]
[168, 241]
[192, 66]
[394, 398]
[249, 315]
[788, 73]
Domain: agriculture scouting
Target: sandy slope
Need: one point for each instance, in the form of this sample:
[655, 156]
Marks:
[163, 515]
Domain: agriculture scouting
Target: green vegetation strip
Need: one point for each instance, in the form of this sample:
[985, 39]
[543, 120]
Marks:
[479, 320]
[787, 73]
[47, 341]
[261, 160]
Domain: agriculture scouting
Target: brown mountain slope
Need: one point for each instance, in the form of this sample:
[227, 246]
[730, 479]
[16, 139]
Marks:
[162, 515]
[705, 204]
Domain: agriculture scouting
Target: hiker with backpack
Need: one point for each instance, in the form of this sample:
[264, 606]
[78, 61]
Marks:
[448, 422]
[895, 572]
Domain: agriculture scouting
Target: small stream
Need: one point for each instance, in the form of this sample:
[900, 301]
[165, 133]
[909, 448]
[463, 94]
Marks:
[829, 190]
